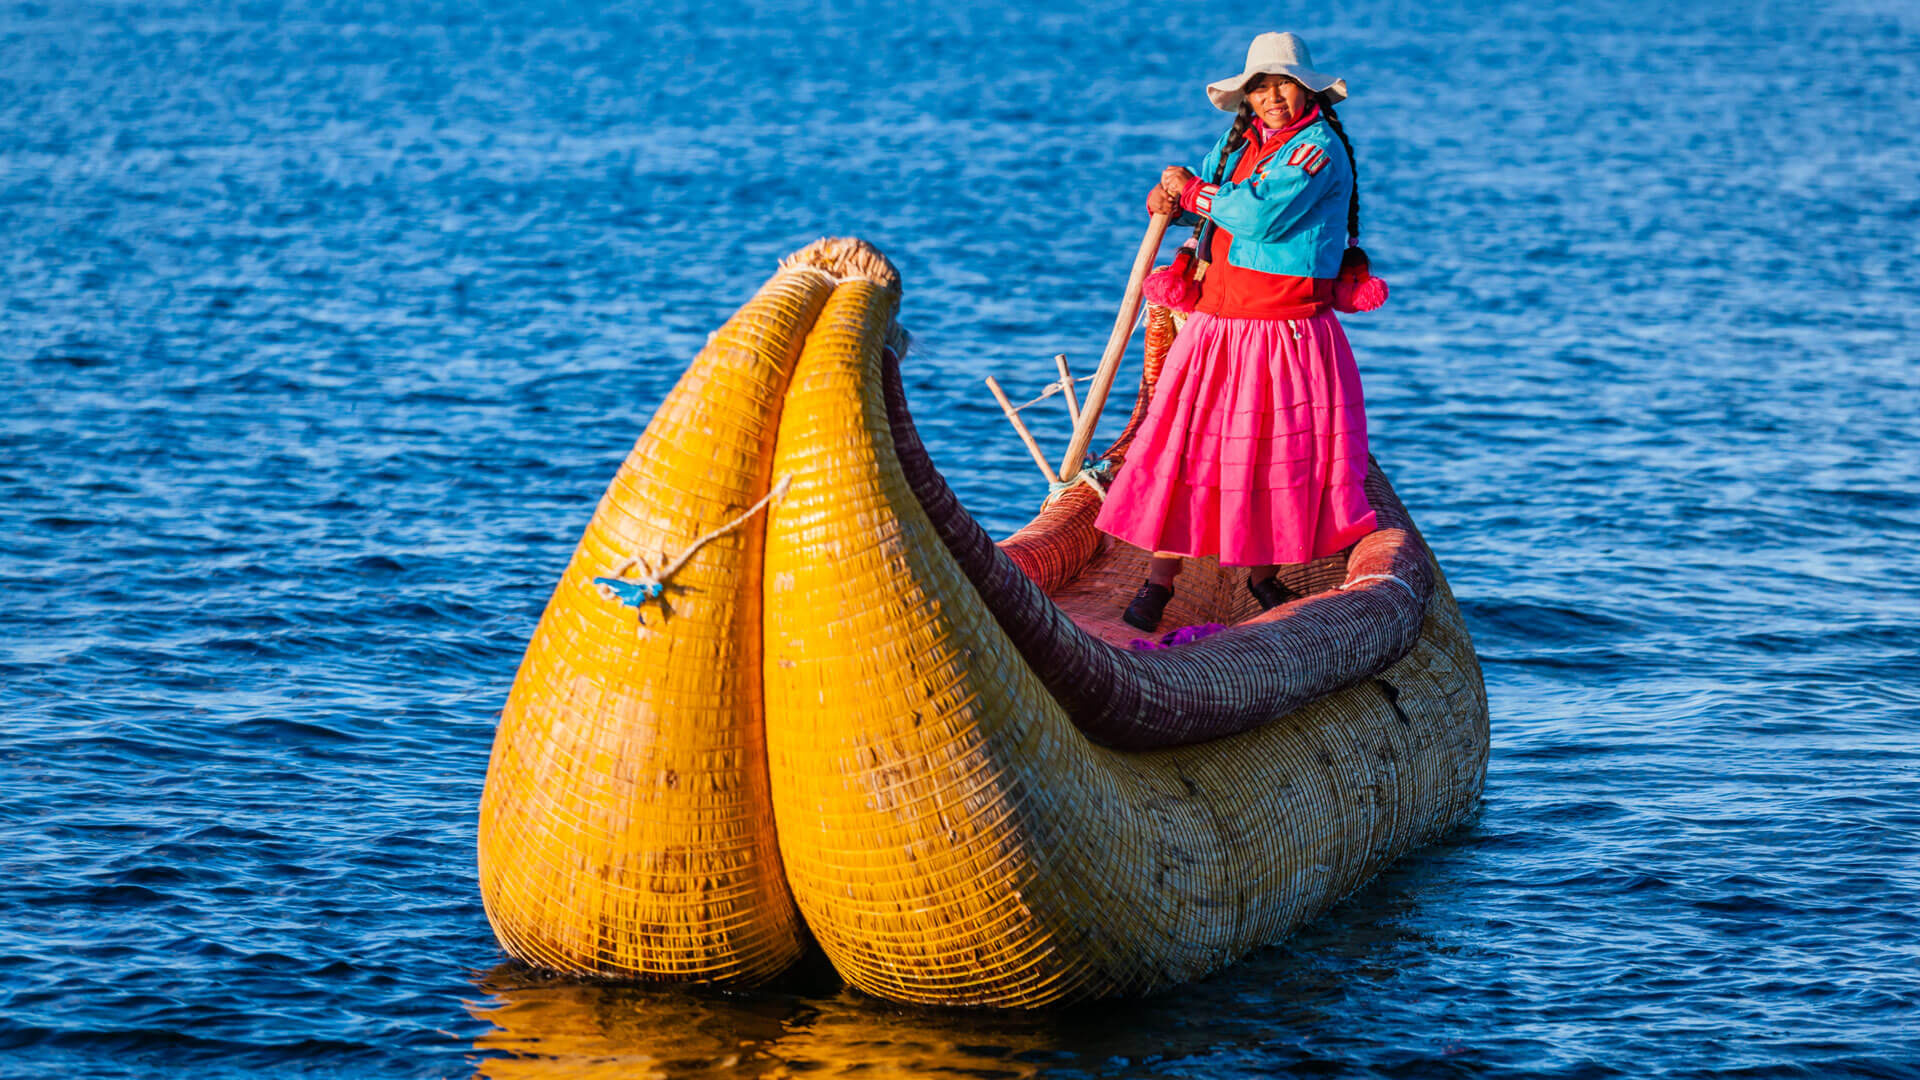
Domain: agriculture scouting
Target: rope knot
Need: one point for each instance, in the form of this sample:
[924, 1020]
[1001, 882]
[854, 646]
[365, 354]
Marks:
[1091, 474]
[651, 584]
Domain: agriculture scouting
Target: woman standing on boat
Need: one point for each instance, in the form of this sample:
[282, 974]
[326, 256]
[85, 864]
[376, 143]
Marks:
[1254, 447]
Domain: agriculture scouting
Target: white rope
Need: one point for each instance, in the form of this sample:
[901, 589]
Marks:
[1089, 477]
[1053, 388]
[651, 583]
[1382, 577]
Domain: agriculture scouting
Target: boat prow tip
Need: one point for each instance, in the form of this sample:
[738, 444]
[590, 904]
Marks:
[625, 828]
[846, 258]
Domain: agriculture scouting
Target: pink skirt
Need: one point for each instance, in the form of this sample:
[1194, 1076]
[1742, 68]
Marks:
[1254, 447]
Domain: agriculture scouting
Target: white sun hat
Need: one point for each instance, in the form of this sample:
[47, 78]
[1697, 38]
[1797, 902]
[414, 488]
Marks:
[1276, 54]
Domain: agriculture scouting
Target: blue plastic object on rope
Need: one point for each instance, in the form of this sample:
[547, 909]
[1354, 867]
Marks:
[1097, 469]
[632, 593]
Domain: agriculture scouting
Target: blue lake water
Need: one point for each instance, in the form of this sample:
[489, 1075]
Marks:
[325, 325]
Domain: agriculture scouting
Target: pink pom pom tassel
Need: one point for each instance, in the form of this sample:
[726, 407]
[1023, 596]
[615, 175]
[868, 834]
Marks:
[1367, 294]
[1169, 288]
[1356, 289]
[1173, 286]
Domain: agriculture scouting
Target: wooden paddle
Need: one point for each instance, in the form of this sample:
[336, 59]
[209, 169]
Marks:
[1116, 347]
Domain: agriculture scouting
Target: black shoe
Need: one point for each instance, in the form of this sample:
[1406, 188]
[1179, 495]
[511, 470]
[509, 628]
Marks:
[1271, 593]
[1148, 605]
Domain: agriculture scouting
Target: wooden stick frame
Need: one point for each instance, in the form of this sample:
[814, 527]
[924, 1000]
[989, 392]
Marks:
[1013, 417]
[1116, 347]
[1066, 387]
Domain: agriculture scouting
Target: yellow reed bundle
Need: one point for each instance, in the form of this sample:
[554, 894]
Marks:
[626, 828]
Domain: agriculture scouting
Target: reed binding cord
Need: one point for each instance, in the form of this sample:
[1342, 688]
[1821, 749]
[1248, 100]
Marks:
[652, 584]
[1395, 578]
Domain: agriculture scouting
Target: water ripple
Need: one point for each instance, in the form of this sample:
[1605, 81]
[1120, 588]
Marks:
[324, 328]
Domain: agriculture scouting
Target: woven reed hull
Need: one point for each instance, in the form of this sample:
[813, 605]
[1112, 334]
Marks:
[953, 838]
[920, 758]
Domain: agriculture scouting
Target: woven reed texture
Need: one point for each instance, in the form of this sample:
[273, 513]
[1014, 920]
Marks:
[1083, 570]
[1231, 682]
[626, 827]
[1057, 544]
[948, 833]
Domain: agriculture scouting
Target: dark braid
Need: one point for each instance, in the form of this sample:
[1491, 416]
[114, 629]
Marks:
[1353, 204]
[1236, 138]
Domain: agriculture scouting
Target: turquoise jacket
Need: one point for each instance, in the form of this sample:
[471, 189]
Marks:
[1290, 216]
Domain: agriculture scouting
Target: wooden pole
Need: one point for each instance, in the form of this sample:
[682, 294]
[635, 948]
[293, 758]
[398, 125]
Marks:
[1066, 387]
[1026, 436]
[1116, 347]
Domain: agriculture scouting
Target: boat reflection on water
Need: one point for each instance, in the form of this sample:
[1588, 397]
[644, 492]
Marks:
[1285, 1002]
[551, 1028]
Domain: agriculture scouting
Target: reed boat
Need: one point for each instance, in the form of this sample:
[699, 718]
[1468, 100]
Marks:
[788, 691]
